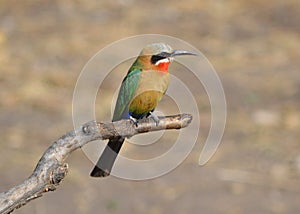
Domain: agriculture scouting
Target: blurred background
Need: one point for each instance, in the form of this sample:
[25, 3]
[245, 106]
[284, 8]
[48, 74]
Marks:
[254, 47]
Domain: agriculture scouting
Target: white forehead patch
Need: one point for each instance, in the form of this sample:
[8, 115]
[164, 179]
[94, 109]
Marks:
[165, 60]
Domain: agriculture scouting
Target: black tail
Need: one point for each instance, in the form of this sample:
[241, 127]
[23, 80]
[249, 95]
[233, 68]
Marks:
[108, 157]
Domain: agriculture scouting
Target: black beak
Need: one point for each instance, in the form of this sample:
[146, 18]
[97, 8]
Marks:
[179, 52]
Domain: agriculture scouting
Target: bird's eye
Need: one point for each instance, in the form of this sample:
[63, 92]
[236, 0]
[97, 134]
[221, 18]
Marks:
[156, 58]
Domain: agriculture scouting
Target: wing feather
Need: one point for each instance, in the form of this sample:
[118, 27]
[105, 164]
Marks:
[126, 94]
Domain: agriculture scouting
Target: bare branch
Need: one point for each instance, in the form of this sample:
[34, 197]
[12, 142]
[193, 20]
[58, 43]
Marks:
[51, 168]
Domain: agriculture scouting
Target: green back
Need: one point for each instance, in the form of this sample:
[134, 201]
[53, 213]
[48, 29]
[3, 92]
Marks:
[127, 91]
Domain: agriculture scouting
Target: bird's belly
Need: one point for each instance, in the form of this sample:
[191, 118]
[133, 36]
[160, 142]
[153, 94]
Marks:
[145, 102]
[152, 86]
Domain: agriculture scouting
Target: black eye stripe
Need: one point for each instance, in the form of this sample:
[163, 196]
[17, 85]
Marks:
[157, 57]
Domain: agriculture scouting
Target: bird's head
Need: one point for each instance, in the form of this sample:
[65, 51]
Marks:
[158, 56]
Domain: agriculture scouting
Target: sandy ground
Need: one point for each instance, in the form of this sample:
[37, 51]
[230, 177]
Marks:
[254, 47]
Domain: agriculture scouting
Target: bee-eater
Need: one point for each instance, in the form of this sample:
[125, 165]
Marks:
[141, 90]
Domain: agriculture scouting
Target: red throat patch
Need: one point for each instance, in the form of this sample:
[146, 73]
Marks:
[163, 66]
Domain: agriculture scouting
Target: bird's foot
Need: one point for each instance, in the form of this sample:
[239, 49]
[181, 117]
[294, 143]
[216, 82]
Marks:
[155, 118]
[135, 121]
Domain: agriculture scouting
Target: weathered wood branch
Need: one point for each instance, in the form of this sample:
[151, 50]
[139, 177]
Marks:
[51, 168]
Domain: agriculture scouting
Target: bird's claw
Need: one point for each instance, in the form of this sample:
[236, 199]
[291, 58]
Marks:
[155, 118]
[135, 121]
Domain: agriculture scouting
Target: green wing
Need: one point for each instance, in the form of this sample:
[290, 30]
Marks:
[126, 93]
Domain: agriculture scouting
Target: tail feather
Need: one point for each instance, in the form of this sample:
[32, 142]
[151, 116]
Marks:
[108, 157]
